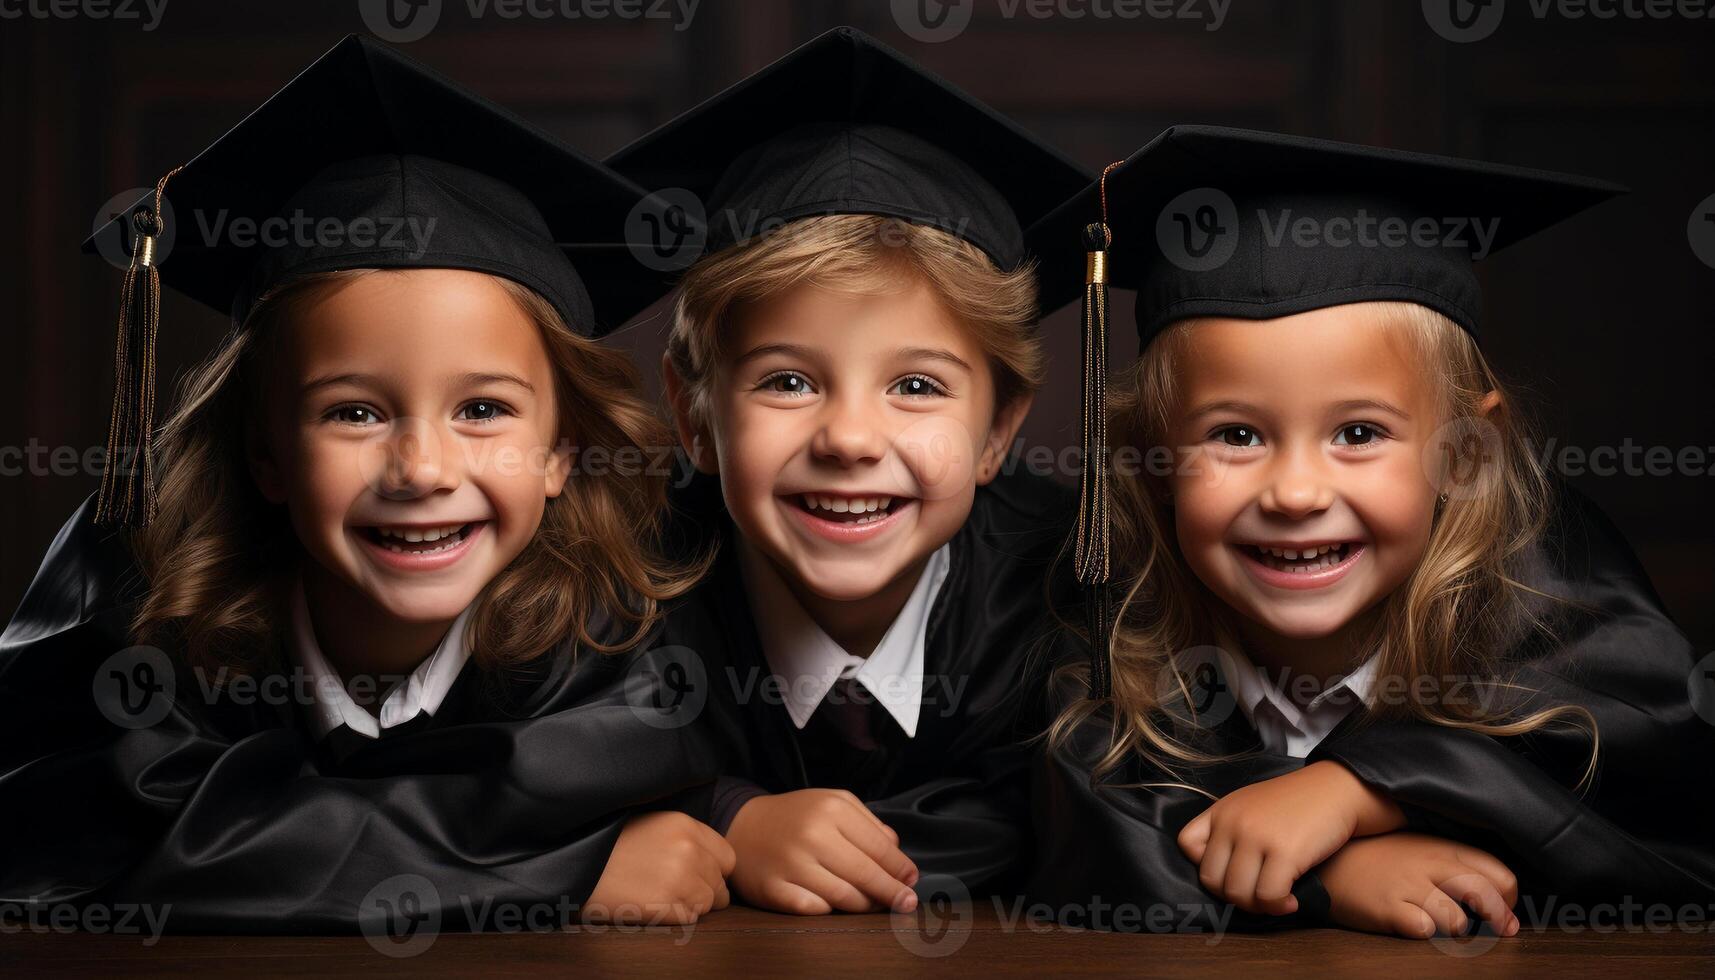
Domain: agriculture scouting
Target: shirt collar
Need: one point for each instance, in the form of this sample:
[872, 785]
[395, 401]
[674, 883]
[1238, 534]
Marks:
[1283, 725]
[420, 693]
[809, 662]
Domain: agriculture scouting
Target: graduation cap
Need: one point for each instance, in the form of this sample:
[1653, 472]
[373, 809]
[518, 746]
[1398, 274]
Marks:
[1210, 221]
[847, 125]
[365, 160]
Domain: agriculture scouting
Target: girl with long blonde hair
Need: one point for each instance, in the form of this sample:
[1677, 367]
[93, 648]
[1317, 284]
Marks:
[1353, 627]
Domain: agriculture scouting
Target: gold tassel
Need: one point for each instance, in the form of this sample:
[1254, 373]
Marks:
[127, 495]
[1091, 559]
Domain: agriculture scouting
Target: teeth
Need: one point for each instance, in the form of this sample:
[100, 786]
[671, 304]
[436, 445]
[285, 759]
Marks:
[847, 505]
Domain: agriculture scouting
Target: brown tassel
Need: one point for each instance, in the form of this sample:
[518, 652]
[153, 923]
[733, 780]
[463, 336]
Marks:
[127, 495]
[1091, 559]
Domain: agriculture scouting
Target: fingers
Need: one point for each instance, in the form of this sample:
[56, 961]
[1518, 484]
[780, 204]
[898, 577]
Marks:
[1238, 885]
[793, 899]
[1212, 867]
[880, 849]
[1410, 921]
[1274, 887]
[710, 840]
[1194, 839]
[1449, 918]
[855, 867]
[840, 894]
[880, 824]
[1479, 893]
[1491, 868]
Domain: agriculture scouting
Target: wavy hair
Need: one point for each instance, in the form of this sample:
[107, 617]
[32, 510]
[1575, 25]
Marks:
[219, 559]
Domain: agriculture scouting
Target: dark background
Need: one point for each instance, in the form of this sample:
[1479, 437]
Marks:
[1606, 322]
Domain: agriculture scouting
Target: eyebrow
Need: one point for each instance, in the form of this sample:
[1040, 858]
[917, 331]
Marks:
[792, 350]
[470, 380]
[931, 354]
[1373, 403]
[1350, 405]
[1237, 408]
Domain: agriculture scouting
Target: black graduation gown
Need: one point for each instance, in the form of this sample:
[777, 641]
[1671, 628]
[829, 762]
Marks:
[228, 810]
[1641, 832]
[956, 793]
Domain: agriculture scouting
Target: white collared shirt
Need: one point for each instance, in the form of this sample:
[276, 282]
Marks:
[421, 693]
[809, 662]
[1283, 725]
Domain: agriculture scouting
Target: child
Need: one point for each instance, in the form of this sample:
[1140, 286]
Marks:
[1351, 615]
[375, 596]
[853, 359]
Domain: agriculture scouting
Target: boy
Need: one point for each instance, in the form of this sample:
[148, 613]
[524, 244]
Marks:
[852, 360]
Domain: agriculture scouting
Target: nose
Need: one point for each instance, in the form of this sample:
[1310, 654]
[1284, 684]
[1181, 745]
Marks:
[415, 462]
[849, 434]
[1297, 487]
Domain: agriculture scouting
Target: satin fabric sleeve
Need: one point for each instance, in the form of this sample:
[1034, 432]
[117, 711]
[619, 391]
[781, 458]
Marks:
[234, 821]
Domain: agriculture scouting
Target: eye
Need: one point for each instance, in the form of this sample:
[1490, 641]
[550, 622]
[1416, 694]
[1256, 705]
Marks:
[353, 415]
[482, 410]
[786, 383]
[917, 386]
[1238, 436]
[1358, 434]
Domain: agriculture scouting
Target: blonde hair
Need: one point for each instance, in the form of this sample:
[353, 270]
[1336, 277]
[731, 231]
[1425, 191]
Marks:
[219, 559]
[861, 255]
[1457, 615]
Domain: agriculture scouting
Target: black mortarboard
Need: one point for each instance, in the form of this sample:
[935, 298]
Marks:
[846, 125]
[1209, 221]
[366, 159]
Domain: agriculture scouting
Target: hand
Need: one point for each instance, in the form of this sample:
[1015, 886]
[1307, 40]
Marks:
[665, 869]
[1411, 885]
[1255, 842]
[812, 851]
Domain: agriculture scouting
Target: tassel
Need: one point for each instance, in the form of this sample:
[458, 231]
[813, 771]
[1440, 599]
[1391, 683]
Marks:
[1091, 560]
[127, 495]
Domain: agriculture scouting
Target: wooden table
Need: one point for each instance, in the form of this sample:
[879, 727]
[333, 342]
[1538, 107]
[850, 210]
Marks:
[748, 943]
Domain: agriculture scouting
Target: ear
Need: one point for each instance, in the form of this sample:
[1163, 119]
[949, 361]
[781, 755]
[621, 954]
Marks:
[559, 468]
[693, 437]
[264, 468]
[1492, 406]
[1002, 431]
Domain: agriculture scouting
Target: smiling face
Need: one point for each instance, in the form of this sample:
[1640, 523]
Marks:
[850, 433]
[1304, 502]
[409, 433]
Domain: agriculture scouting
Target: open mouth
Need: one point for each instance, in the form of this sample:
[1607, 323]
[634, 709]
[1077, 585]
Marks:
[420, 540]
[1302, 560]
[855, 511]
